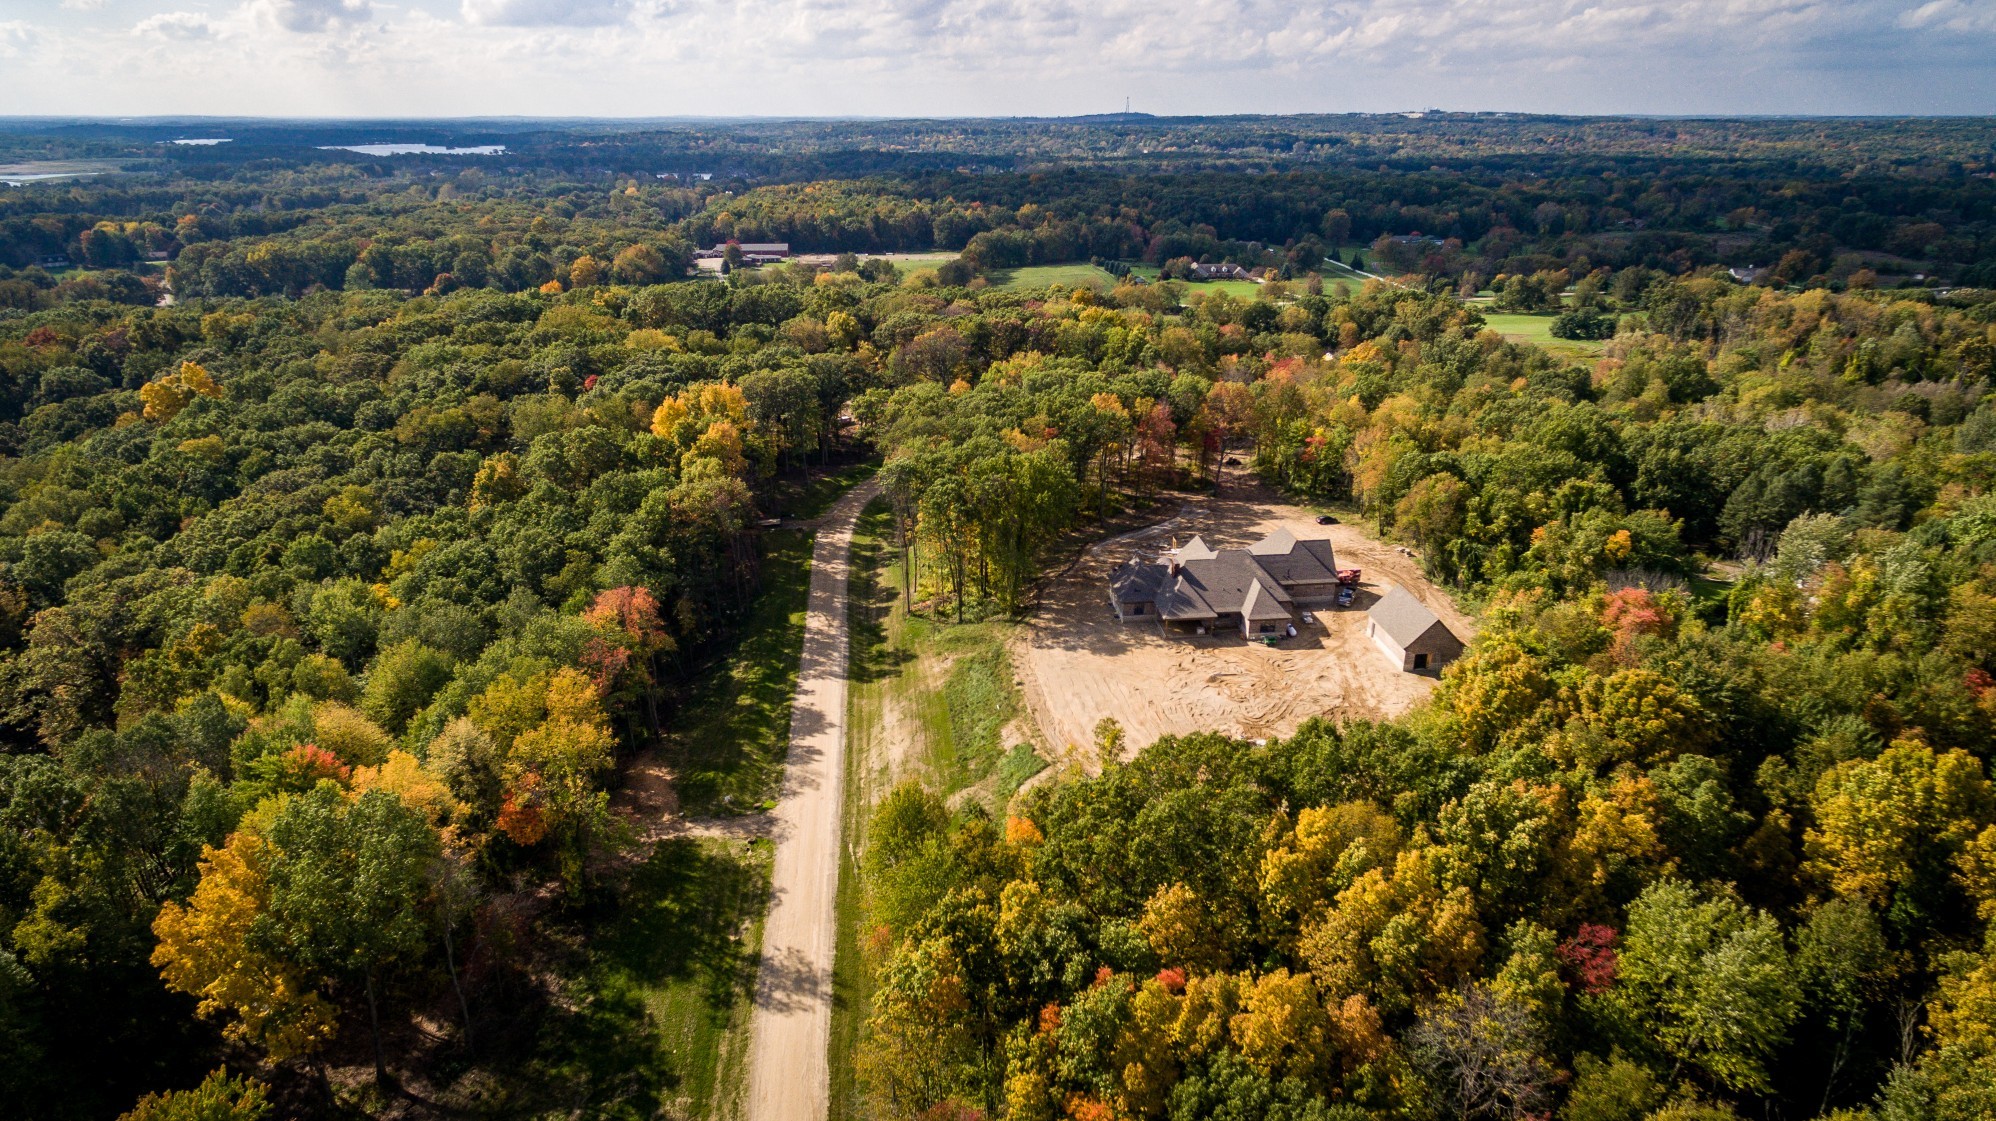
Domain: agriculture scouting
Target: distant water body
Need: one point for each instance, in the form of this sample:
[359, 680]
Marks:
[206, 142]
[413, 149]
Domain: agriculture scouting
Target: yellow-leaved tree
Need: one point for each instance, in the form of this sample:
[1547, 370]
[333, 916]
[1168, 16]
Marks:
[165, 397]
[207, 948]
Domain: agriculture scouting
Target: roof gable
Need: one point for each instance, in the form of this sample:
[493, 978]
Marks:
[1403, 617]
[1136, 581]
[1278, 543]
[1196, 549]
[1296, 562]
[1260, 603]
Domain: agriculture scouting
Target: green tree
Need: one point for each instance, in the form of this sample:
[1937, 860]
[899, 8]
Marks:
[348, 889]
[1710, 979]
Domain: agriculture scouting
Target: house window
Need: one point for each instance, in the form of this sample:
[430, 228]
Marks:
[1268, 628]
[1136, 609]
[1420, 661]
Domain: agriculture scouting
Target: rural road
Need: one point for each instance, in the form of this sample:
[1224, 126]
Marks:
[789, 1078]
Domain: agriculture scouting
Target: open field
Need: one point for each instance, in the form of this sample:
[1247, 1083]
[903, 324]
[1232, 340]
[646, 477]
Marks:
[1537, 330]
[34, 171]
[1242, 289]
[1245, 289]
[1036, 277]
[1032, 278]
[1342, 275]
[928, 699]
[914, 260]
[1080, 664]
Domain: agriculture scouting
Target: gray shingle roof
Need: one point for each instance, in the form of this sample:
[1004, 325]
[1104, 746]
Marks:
[1296, 562]
[1403, 617]
[1223, 581]
[1253, 581]
[1260, 604]
[1136, 581]
[1180, 600]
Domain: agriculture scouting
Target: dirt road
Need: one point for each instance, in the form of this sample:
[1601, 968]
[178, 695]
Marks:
[1077, 664]
[788, 1076]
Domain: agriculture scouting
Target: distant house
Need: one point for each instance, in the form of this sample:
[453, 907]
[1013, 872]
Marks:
[1224, 270]
[1257, 590]
[1411, 636]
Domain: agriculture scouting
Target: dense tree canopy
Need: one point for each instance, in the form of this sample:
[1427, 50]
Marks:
[335, 591]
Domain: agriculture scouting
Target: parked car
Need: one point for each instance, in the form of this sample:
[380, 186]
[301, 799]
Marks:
[1326, 519]
[1345, 596]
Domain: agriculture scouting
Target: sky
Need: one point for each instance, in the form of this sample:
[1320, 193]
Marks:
[617, 58]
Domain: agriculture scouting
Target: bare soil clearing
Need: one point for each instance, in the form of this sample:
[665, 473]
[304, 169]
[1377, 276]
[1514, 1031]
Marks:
[1078, 664]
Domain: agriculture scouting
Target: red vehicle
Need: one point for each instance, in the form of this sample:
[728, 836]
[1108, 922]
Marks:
[1348, 577]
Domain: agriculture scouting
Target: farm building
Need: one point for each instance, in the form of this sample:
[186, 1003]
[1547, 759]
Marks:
[1410, 635]
[754, 252]
[1257, 590]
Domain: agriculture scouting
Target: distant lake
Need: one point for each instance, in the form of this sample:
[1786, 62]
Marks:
[205, 142]
[413, 149]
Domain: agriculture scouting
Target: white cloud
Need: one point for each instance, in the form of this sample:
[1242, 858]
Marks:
[82, 5]
[916, 57]
[307, 16]
[184, 27]
[1952, 15]
[547, 13]
[16, 38]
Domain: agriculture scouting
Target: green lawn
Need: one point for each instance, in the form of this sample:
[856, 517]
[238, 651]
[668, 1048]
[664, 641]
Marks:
[915, 260]
[950, 683]
[1034, 278]
[1537, 329]
[656, 1012]
[732, 736]
[938, 696]
[1341, 275]
[1241, 289]
[852, 973]
[1245, 289]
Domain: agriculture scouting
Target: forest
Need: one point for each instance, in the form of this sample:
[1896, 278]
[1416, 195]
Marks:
[364, 525]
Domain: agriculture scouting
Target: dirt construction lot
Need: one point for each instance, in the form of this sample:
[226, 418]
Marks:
[1077, 663]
